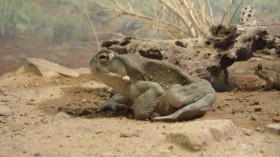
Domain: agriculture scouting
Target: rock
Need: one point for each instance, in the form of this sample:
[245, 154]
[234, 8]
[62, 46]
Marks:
[98, 132]
[255, 103]
[253, 117]
[276, 118]
[136, 133]
[84, 100]
[273, 128]
[197, 135]
[26, 123]
[259, 129]
[257, 109]
[6, 111]
[30, 103]
[247, 132]
[125, 135]
[61, 116]
[46, 68]
[44, 120]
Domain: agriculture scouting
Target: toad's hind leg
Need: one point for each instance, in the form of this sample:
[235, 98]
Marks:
[192, 110]
[149, 96]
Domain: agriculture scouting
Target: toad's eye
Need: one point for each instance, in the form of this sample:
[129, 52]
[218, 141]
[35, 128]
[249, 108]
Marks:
[259, 66]
[103, 58]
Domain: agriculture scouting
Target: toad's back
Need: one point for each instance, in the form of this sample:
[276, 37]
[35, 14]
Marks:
[165, 73]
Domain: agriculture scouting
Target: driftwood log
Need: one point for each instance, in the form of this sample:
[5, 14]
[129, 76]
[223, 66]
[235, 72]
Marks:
[207, 57]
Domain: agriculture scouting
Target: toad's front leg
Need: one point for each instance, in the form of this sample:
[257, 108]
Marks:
[269, 85]
[115, 103]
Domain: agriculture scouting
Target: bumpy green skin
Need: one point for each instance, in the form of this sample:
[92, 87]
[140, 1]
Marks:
[155, 90]
[271, 74]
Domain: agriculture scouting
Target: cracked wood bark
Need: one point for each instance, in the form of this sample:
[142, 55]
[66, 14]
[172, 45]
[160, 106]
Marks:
[206, 57]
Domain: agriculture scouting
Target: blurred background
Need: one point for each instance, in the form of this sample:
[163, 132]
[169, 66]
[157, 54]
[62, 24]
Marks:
[70, 32]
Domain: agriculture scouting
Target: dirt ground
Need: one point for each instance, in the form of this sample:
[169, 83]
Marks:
[40, 127]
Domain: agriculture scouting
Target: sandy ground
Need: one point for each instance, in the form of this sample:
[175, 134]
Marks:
[40, 127]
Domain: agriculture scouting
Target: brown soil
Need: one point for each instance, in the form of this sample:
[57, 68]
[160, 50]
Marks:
[36, 130]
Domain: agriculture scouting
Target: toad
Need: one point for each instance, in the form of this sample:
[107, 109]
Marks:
[155, 90]
[271, 74]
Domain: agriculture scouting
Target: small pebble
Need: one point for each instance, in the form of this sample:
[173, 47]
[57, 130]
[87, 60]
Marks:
[233, 111]
[257, 109]
[84, 100]
[2, 121]
[259, 129]
[125, 135]
[98, 132]
[253, 117]
[247, 132]
[44, 120]
[6, 111]
[255, 103]
[276, 118]
[26, 123]
[30, 103]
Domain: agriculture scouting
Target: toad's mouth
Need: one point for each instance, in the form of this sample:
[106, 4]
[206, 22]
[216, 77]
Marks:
[101, 73]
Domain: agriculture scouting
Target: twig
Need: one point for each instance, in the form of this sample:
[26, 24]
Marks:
[94, 31]
[227, 11]
[235, 11]
[211, 11]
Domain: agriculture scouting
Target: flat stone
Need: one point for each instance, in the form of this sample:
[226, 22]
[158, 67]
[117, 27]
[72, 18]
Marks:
[197, 135]
[46, 68]
[6, 111]
[61, 116]
[273, 128]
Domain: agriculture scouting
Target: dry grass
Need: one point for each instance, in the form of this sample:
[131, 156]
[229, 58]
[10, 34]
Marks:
[177, 18]
[91, 24]
[174, 19]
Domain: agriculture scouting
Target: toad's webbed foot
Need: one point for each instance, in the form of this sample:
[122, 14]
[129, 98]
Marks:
[116, 103]
[112, 106]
